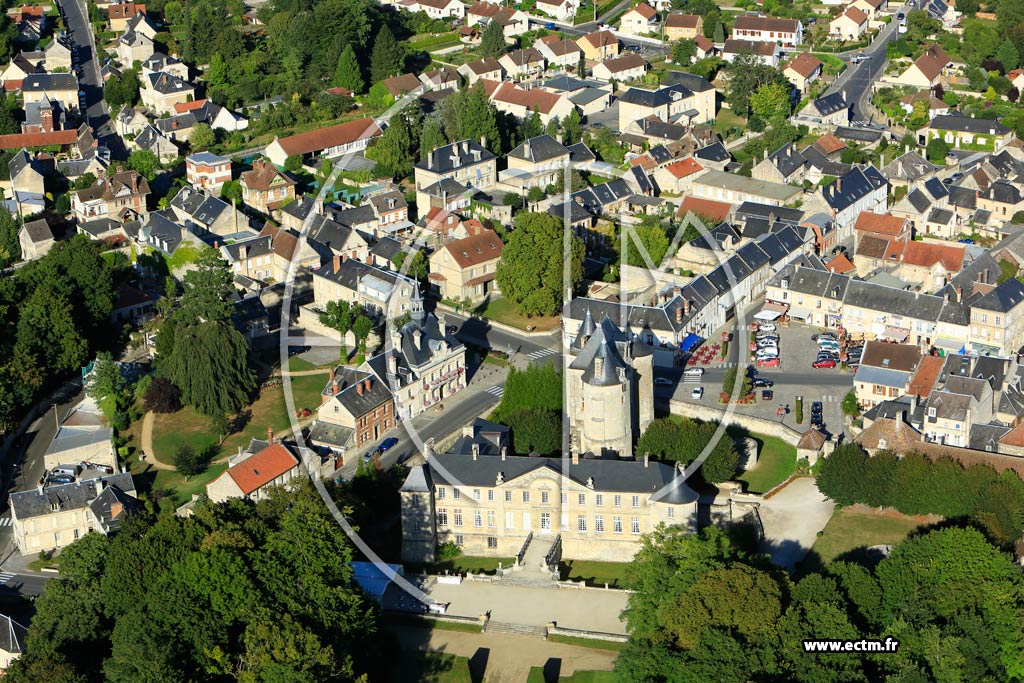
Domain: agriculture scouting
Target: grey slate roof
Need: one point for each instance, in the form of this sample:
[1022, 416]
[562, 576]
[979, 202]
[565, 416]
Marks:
[611, 475]
[787, 160]
[713, 152]
[829, 104]
[455, 156]
[1004, 298]
[539, 149]
[964, 124]
[76, 496]
[849, 188]
[986, 437]
[656, 98]
[347, 381]
[748, 209]
[49, 82]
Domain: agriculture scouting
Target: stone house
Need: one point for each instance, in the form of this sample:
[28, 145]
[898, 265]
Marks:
[56, 516]
[885, 372]
[803, 70]
[120, 195]
[265, 188]
[161, 91]
[256, 472]
[927, 70]
[465, 269]
[380, 293]
[36, 239]
[359, 401]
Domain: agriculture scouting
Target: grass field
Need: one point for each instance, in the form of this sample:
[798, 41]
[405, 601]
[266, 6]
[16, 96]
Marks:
[488, 565]
[594, 573]
[270, 410]
[776, 461]
[537, 676]
[433, 667]
[727, 119]
[831, 65]
[504, 311]
[587, 642]
[862, 527]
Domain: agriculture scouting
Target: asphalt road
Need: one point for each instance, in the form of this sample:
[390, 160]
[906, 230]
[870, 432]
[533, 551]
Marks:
[25, 584]
[97, 112]
[857, 79]
[479, 332]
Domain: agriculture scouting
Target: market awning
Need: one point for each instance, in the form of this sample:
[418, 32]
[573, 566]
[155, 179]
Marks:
[799, 313]
[771, 311]
[689, 343]
[949, 344]
[896, 333]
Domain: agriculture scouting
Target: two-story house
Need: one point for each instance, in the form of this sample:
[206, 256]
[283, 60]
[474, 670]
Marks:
[265, 188]
[885, 372]
[997, 320]
[639, 20]
[679, 26]
[206, 171]
[121, 195]
[860, 189]
[465, 269]
[161, 91]
[784, 32]
[256, 472]
[358, 401]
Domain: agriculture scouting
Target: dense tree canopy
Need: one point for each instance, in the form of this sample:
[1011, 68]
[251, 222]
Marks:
[682, 440]
[703, 608]
[54, 313]
[240, 591]
[533, 263]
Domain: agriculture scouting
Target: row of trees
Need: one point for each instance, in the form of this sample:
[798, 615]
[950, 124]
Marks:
[532, 408]
[915, 485]
[240, 591]
[54, 315]
[681, 440]
[706, 608]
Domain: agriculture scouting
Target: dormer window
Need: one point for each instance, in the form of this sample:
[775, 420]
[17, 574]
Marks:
[931, 412]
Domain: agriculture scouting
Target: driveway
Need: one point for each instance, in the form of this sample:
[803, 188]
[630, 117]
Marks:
[792, 519]
[858, 79]
[588, 609]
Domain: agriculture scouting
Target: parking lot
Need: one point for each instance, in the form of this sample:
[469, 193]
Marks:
[794, 377]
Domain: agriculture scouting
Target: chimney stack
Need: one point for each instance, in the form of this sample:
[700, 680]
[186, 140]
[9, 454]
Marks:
[475, 450]
[337, 263]
[575, 457]
[367, 383]
[647, 459]
[504, 452]
[359, 388]
[270, 435]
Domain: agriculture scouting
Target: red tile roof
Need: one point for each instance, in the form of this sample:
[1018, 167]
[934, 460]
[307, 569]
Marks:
[928, 254]
[684, 168]
[262, 468]
[804, 64]
[644, 10]
[706, 208]
[881, 223]
[840, 264]
[829, 144]
[601, 38]
[124, 10]
[932, 62]
[475, 249]
[333, 136]
[924, 379]
[510, 93]
[856, 15]
[400, 85]
[57, 137]
[679, 20]
[183, 107]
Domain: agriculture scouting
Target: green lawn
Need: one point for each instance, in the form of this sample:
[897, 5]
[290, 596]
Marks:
[587, 642]
[296, 364]
[269, 410]
[504, 311]
[831, 65]
[537, 676]
[432, 667]
[594, 573]
[487, 565]
[776, 461]
[860, 527]
[180, 489]
[727, 119]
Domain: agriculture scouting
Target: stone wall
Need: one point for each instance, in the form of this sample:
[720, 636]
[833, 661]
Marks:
[758, 425]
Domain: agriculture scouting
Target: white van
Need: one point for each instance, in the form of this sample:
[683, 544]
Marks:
[66, 470]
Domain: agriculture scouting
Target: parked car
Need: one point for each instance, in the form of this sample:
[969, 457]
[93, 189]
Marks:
[824, 363]
[768, 362]
[368, 455]
[697, 393]
[830, 346]
[550, 26]
[766, 327]
[816, 408]
[761, 382]
[451, 329]
[388, 443]
[767, 395]
[767, 344]
[693, 372]
[823, 335]
[664, 381]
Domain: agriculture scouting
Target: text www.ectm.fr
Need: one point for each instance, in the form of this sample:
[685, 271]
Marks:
[887, 645]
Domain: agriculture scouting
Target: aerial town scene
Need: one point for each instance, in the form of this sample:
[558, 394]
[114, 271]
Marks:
[559, 341]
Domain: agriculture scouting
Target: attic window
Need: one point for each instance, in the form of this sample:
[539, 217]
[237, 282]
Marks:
[885, 362]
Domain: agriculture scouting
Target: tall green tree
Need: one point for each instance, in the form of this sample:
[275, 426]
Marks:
[572, 128]
[10, 246]
[388, 56]
[533, 262]
[771, 102]
[432, 136]
[492, 42]
[1007, 55]
[469, 115]
[208, 357]
[349, 74]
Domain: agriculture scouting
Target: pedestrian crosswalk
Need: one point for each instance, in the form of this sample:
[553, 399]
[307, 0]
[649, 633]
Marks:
[541, 353]
[496, 390]
[5, 577]
[5, 521]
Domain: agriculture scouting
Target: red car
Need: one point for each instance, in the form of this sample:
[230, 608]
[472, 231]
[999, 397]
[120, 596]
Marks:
[768, 363]
[824, 363]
